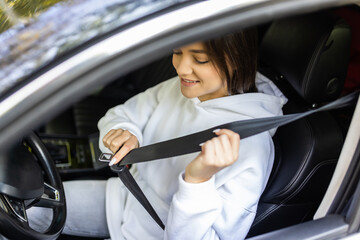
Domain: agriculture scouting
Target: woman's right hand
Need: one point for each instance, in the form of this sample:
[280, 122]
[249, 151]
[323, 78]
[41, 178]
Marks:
[120, 142]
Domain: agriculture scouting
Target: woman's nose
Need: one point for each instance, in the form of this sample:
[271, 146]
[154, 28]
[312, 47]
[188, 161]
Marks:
[184, 66]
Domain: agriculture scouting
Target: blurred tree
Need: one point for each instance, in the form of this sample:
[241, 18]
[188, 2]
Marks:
[13, 11]
[4, 21]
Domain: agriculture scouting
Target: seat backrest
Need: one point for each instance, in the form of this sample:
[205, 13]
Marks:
[306, 56]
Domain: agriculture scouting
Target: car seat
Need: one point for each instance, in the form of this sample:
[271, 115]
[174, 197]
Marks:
[306, 56]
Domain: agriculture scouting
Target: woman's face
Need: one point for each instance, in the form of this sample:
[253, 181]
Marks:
[198, 76]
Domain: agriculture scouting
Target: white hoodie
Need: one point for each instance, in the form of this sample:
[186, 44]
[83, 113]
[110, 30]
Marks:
[223, 207]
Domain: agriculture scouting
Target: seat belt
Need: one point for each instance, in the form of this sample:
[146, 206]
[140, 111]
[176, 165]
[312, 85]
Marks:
[190, 143]
[130, 183]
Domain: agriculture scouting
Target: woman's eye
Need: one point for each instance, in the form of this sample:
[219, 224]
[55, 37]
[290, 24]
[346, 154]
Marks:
[177, 52]
[201, 61]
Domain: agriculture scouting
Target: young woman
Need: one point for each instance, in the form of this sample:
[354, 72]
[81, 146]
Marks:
[208, 195]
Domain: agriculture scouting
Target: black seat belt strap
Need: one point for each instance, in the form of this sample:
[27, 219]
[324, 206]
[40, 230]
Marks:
[245, 128]
[130, 183]
[190, 144]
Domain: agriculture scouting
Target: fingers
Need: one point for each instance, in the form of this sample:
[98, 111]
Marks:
[226, 150]
[208, 151]
[121, 142]
[109, 142]
[223, 150]
[234, 139]
[129, 145]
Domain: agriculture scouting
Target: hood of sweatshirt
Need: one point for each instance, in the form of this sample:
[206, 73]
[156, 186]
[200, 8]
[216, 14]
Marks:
[267, 102]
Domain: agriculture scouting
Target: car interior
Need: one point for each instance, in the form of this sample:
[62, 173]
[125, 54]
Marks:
[306, 56]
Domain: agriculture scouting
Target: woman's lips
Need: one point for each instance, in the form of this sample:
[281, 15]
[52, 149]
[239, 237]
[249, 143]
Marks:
[188, 83]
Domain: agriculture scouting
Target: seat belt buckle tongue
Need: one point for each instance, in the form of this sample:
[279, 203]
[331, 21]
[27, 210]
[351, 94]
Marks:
[105, 157]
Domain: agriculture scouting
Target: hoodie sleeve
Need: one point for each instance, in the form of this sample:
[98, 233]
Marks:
[132, 115]
[225, 206]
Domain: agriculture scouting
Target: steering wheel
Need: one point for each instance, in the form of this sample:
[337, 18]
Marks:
[15, 198]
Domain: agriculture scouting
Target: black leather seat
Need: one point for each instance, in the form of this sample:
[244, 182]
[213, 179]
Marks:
[306, 56]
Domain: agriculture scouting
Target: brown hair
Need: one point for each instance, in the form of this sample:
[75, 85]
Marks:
[239, 51]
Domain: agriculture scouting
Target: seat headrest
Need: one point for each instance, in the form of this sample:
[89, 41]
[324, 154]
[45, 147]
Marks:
[311, 52]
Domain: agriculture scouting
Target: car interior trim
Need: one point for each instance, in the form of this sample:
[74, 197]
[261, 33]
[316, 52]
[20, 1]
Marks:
[345, 158]
[50, 193]
[17, 208]
[329, 227]
[353, 211]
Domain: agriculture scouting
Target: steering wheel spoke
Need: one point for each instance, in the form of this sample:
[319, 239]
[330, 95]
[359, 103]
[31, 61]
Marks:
[14, 208]
[50, 198]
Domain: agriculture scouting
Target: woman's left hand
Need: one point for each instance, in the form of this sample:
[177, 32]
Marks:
[216, 154]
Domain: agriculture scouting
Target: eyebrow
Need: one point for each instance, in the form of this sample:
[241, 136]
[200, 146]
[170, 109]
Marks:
[198, 51]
